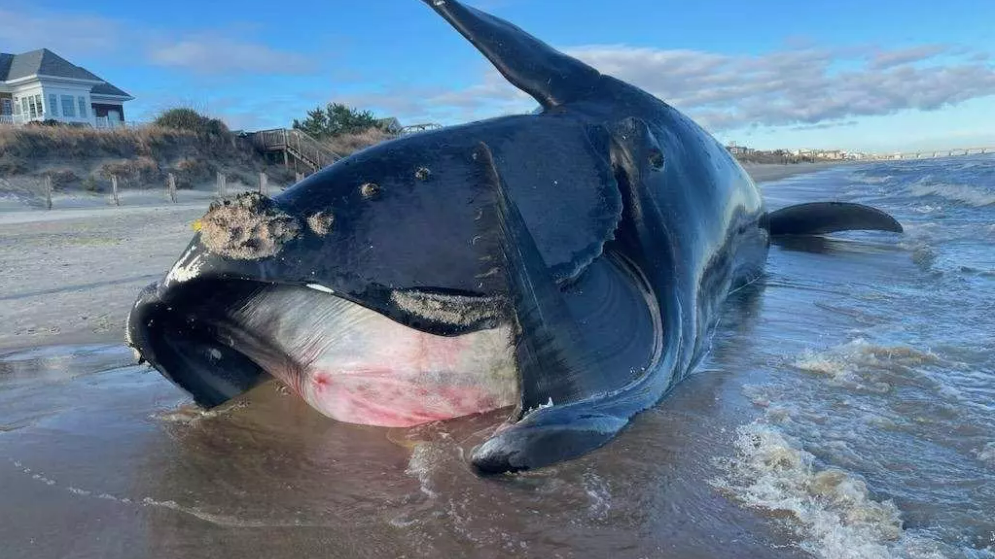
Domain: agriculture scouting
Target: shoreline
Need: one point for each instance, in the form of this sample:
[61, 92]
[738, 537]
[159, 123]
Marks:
[770, 172]
[71, 275]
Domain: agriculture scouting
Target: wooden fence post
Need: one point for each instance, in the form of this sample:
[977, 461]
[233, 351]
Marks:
[117, 202]
[263, 183]
[222, 184]
[171, 187]
[300, 176]
[48, 191]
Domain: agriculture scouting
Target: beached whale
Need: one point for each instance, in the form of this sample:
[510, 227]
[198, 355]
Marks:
[568, 264]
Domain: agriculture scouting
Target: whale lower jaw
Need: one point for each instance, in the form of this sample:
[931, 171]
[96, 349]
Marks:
[220, 338]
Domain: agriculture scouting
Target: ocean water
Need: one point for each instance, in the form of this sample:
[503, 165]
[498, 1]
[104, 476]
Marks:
[876, 362]
[845, 410]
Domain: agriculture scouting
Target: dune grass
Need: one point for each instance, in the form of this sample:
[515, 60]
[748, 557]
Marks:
[86, 158]
[346, 144]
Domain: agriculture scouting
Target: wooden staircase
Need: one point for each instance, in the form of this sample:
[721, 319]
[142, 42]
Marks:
[306, 154]
[297, 148]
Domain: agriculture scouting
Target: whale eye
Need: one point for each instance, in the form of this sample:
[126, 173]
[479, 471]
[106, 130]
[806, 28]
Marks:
[656, 159]
[370, 190]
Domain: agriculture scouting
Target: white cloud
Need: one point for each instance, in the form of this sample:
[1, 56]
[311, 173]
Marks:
[898, 57]
[798, 87]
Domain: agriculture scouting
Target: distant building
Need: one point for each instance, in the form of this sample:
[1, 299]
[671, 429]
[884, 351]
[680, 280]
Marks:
[41, 85]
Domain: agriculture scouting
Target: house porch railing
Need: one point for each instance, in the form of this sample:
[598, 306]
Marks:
[17, 120]
[96, 122]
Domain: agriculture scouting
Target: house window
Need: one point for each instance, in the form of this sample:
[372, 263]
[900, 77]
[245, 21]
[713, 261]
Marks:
[82, 107]
[53, 104]
[68, 107]
[33, 109]
[6, 107]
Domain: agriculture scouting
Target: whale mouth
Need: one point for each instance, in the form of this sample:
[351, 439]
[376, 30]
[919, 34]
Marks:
[166, 331]
[217, 338]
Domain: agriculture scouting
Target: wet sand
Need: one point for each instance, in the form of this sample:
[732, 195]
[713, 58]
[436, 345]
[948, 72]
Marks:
[110, 464]
[763, 172]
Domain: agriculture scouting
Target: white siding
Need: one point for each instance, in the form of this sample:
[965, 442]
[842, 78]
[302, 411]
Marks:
[74, 91]
[46, 88]
[29, 90]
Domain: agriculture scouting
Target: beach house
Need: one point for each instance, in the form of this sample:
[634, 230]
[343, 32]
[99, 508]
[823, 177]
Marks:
[41, 85]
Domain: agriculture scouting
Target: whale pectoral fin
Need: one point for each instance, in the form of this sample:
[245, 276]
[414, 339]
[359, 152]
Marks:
[552, 361]
[550, 77]
[816, 218]
[555, 368]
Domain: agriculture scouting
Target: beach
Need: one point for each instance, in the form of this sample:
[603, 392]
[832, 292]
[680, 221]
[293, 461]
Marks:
[71, 274]
[842, 412]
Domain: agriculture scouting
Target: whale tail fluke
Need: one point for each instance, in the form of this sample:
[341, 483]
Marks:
[817, 218]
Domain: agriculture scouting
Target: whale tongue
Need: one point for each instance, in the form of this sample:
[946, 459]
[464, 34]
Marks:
[355, 365]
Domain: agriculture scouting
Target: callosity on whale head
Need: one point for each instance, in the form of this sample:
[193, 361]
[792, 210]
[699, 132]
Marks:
[567, 264]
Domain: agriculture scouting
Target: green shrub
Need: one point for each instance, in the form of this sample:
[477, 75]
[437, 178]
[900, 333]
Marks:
[191, 120]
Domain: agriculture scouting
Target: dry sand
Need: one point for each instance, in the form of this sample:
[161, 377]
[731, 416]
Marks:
[70, 275]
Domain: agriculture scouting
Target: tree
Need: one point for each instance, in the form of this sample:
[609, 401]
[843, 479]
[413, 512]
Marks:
[334, 120]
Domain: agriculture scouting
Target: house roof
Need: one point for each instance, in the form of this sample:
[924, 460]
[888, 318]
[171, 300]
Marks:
[108, 89]
[46, 63]
[5, 60]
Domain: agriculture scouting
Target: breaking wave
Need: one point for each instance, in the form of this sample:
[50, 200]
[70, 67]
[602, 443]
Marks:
[963, 193]
[865, 178]
[832, 510]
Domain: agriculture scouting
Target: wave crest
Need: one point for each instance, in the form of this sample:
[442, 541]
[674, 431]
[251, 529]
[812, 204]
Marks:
[835, 515]
[963, 193]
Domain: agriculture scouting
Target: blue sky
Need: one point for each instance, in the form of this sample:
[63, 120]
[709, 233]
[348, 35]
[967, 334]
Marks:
[883, 75]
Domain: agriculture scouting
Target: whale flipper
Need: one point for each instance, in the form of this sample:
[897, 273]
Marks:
[816, 218]
[550, 77]
[558, 371]
[552, 359]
